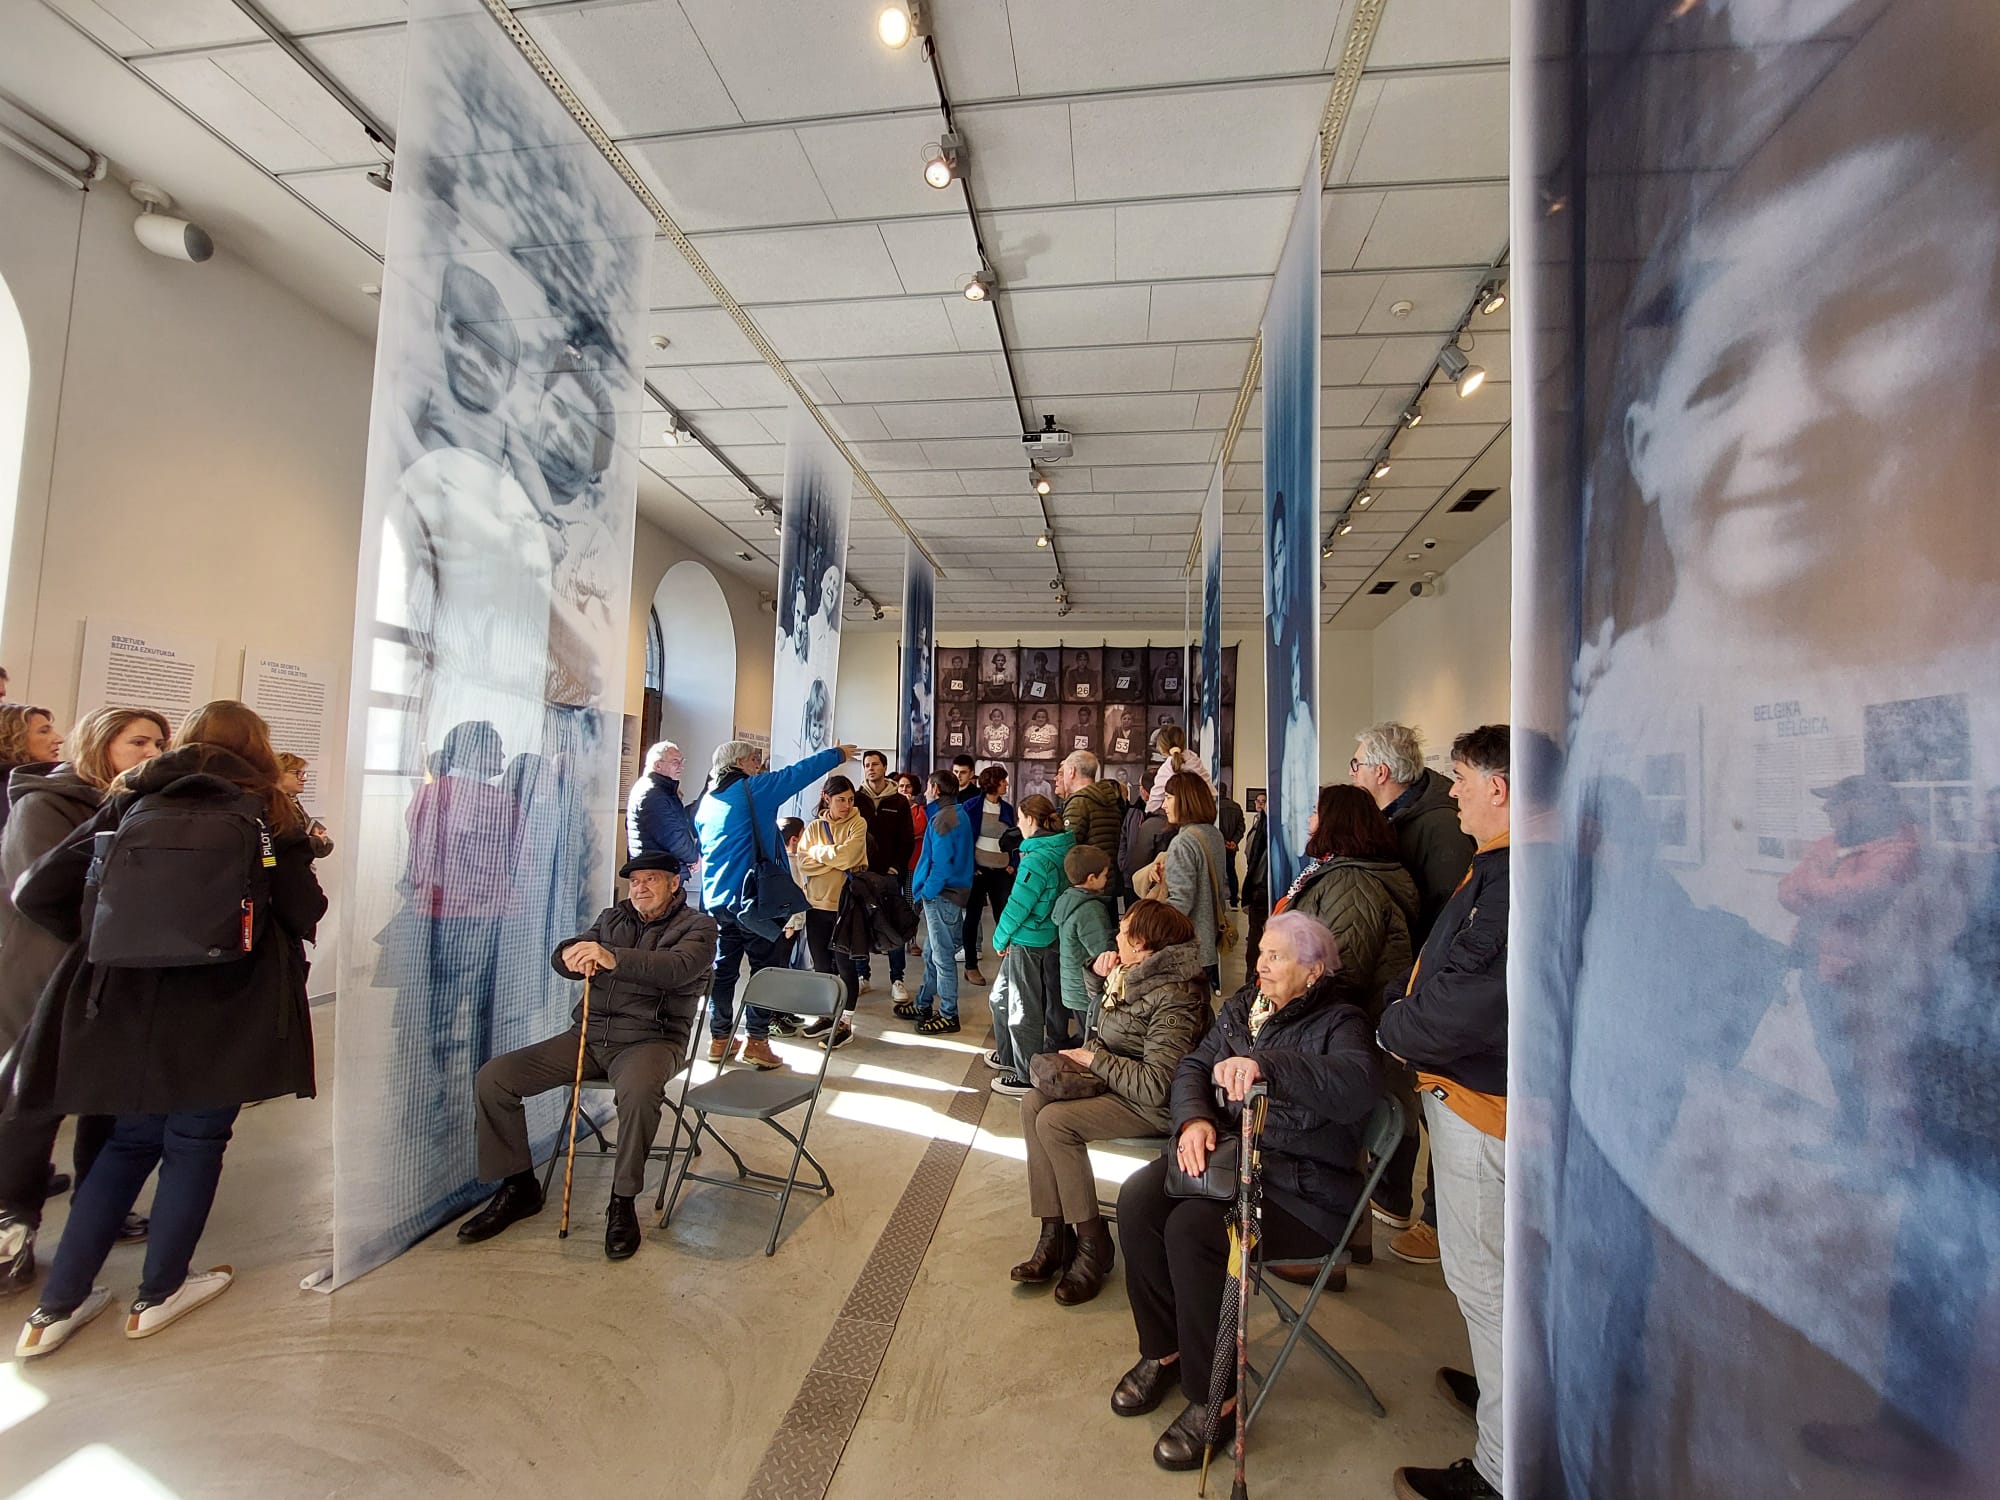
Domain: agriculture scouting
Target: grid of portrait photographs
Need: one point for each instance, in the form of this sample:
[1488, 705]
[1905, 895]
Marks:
[1024, 708]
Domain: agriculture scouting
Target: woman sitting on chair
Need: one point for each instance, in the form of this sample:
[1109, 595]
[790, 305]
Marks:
[1290, 1030]
[1153, 1009]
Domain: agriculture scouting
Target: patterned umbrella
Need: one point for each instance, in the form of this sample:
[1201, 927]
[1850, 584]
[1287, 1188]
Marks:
[1231, 1351]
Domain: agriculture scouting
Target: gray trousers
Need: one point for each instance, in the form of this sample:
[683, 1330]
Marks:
[1030, 982]
[638, 1073]
[1061, 1184]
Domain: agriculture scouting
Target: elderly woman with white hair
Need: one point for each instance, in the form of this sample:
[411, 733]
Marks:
[1291, 1030]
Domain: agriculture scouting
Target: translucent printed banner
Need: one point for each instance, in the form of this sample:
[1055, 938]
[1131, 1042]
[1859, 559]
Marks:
[812, 583]
[489, 650]
[916, 697]
[1210, 675]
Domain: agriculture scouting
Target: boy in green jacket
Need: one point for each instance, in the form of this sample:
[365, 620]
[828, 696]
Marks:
[1086, 925]
[1026, 998]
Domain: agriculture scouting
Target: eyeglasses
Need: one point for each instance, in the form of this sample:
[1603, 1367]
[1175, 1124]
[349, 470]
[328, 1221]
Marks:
[1354, 767]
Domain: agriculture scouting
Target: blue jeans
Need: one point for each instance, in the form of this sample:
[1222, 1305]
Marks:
[734, 942]
[187, 1147]
[944, 921]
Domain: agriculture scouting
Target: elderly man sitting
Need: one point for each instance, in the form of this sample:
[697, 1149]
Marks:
[649, 958]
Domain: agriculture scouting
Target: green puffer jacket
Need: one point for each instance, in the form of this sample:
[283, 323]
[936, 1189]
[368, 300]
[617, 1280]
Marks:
[1085, 927]
[1141, 1039]
[1096, 816]
[1028, 919]
[1371, 907]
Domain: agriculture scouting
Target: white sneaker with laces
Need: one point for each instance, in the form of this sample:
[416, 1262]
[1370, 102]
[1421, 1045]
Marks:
[148, 1318]
[992, 1060]
[899, 992]
[42, 1334]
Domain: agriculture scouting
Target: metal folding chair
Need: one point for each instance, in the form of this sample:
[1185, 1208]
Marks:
[1148, 1146]
[745, 1095]
[589, 1127]
[1384, 1131]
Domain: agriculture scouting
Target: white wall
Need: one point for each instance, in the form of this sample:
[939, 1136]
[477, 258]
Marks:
[654, 553]
[1444, 665]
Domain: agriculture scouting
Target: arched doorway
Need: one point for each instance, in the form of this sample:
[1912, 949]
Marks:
[691, 666]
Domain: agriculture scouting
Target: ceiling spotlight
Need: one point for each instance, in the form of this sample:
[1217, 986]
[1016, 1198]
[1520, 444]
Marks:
[893, 26]
[1492, 295]
[1457, 367]
[777, 531]
[878, 611]
[660, 341]
[1327, 550]
[1381, 469]
[978, 286]
[1042, 540]
[1042, 485]
[675, 435]
[162, 233]
[745, 556]
[1412, 417]
[942, 160]
[1343, 528]
[1364, 499]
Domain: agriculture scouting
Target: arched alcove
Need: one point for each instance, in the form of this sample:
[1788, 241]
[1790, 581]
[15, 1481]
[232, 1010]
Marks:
[696, 645]
[13, 425]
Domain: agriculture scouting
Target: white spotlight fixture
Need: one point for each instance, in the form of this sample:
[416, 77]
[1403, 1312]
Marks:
[978, 286]
[1363, 500]
[162, 233]
[1042, 485]
[1343, 528]
[1492, 296]
[1381, 469]
[942, 160]
[1412, 417]
[1042, 540]
[1458, 368]
[894, 27]
[675, 435]
[1327, 550]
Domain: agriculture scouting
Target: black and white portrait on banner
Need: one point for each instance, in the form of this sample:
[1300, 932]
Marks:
[812, 583]
[1082, 674]
[999, 671]
[957, 674]
[1124, 732]
[1039, 731]
[1291, 536]
[501, 482]
[1040, 674]
[1130, 777]
[1080, 728]
[1208, 668]
[1124, 674]
[1163, 716]
[955, 731]
[918, 694]
[1166, 674]
[1762, 589]
[994, 737]
[1037, 780]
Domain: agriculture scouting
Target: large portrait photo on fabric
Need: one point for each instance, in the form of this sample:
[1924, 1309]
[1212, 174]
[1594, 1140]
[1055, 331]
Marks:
[1124, 732]
[483, 748]
[917, 698]
[1081, 728]
[957, 676]
[999, 673]
[1082, 674]
[812, 584]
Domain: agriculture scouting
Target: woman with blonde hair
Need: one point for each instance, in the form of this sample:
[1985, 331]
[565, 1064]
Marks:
[172, 1052]
[48, 803]
[292, 782]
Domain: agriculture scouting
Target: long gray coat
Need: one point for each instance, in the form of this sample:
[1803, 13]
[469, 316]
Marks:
[47, 804]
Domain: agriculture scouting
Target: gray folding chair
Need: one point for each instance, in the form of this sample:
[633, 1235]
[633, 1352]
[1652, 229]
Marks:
[590, 1128]
[746, 1095]
[1383, 1132]
[1148, 1146]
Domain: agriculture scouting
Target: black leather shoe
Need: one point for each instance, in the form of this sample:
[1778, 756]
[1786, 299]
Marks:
[519, 1198]
[134, 1230]
[1050, 1256]
[1143, 1387]
[59, 1182]
[1180, 1446]
[621, 1229]
[1090, 1267]
[1460, 1389]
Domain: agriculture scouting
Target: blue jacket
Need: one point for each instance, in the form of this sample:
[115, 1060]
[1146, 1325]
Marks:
[946, 863]
[656, 822]
[722, 821]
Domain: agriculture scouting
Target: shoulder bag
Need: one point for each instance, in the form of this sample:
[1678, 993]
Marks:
[1225, 930]
[770, 896]
[1058, 1078]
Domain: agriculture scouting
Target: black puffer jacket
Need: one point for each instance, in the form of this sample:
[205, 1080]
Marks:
[1322, 1068]
[156, 1041]
[662, 976]
[47, 803]
[1435, 849]
[1454, 1023]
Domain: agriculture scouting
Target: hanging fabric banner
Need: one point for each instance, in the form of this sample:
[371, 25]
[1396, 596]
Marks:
[489, 647]
[1291, 537]
[812, 582]
[916, 699]
[1754, 1193]
[1210, 675]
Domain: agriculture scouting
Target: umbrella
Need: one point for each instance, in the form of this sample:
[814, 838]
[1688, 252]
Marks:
[1231, 1350]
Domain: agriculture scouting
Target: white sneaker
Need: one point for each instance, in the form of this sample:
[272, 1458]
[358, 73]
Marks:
[864, 987]
[899, 992]
[42, 1334]
[148, 1318]
[992, 1060]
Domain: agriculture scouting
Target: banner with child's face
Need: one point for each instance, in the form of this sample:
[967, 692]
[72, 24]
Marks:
[491, 619]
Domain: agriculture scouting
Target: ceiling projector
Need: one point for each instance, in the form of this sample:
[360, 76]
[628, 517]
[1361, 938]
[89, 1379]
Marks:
[1049, 446]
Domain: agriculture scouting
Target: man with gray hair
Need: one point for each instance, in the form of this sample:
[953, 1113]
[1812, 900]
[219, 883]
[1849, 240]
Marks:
[1093, 809]
[656, 822]
[737, 819]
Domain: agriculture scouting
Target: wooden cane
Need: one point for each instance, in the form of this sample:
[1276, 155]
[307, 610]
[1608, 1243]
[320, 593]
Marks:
[575, 1098]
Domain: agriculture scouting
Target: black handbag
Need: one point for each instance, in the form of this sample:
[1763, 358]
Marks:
[771, 898]
[1218, 1179]
[1058, 1078]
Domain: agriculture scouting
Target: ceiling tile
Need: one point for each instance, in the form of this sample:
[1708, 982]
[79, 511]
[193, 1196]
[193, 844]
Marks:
[1435, 127]
[945, 377]
[1201, 237]
[1441, 440]
[1053, 247]
[1437, 226]
[834, 261]
[368, 64]
[1425, 33]
[1062, 47]
[931, 255]
[1155, 413]
[1145, 447]
[976, 46]
[1190, 141]
[1184, 311]
[741, 385]
[974, 324]
[266, 105]
[825, 330]
[1211, 367]
[1349, 217]
[1072, 316]
[931, 419]
[638, 67]
[1048, 372]
[143, 25]
[785, 61]
[1020, 154]
[873, 168]
[699, 336]
[737, 179]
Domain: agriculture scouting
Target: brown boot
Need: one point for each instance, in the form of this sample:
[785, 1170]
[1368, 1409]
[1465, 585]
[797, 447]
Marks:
[757, 1052]
[1050, 1257]
[1090, 1267]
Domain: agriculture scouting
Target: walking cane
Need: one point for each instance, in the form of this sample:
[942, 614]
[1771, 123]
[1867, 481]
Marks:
[575, 1098]
[1244, 1234]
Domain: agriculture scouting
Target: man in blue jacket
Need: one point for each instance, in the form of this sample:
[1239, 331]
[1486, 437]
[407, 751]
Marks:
[941, 886]
[655, 820]
[729, 844]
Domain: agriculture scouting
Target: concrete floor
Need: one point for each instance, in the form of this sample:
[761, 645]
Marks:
[530, 1364]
